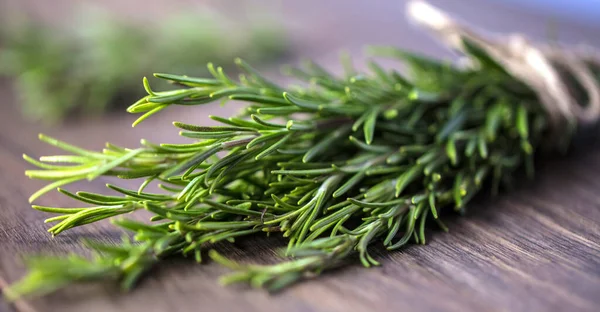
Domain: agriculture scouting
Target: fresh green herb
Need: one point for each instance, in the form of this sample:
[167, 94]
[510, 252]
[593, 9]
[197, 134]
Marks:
[344, 163]
[96, 63]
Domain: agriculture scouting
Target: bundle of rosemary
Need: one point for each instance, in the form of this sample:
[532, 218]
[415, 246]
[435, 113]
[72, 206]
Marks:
[95, 64]
[336, 166]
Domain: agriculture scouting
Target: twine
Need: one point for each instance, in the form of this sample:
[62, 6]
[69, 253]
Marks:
[536, 65]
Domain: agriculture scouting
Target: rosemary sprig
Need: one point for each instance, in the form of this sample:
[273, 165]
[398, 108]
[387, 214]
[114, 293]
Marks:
[334, 167]
[95, 64]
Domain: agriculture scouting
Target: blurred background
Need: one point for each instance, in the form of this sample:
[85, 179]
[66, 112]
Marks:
[69, 68]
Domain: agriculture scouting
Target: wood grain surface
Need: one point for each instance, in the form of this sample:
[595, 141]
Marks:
[536, 248]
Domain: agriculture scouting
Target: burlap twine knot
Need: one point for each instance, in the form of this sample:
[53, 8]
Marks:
[537, 65]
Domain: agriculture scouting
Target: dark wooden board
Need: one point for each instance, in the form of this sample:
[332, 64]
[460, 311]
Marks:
[534, 249]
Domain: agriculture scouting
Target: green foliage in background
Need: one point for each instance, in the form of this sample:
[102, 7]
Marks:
[96, 62]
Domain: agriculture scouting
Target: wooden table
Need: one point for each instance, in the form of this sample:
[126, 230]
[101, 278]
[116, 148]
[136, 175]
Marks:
[535, 249]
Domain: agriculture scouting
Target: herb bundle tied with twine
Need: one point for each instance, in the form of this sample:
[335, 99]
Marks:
[347, 162]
